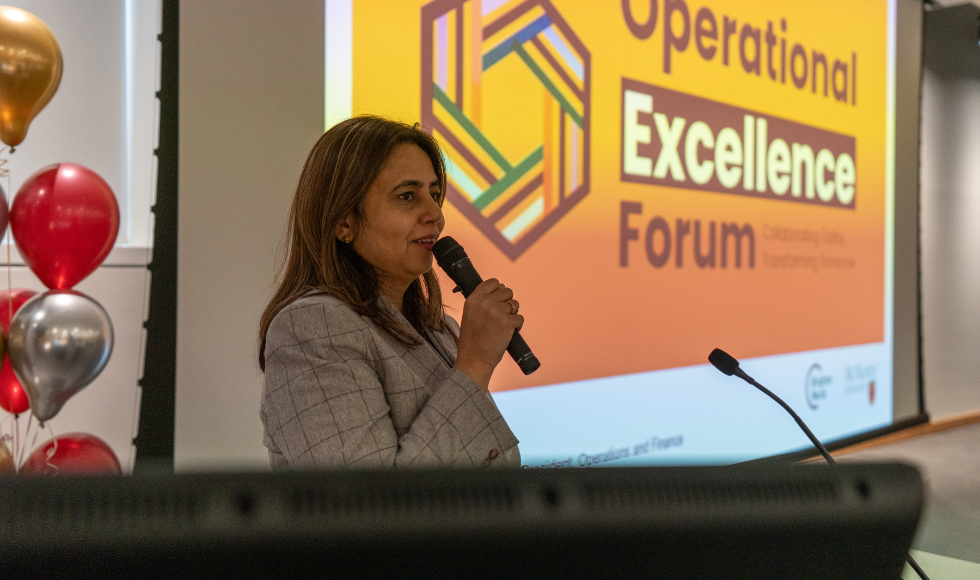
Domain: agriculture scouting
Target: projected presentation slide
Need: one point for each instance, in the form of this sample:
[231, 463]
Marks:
[655, 179]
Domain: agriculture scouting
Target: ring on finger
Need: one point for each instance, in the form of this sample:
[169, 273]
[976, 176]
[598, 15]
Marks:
[513, 306]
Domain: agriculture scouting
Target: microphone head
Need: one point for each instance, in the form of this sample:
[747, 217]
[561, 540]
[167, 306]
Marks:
[723, 361]
[447, 252]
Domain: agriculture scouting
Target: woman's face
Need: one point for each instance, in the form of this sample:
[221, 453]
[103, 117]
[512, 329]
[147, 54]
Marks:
[401, 219]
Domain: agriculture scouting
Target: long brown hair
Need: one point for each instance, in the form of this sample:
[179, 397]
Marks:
[343, 164]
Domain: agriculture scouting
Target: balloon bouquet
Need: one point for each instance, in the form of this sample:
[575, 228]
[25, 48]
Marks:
[64, 219]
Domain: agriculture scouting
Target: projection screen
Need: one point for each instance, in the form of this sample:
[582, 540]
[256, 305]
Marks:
[656, 179]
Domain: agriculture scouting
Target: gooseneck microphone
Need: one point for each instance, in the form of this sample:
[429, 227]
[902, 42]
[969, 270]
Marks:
[452, 258]
[727, 364]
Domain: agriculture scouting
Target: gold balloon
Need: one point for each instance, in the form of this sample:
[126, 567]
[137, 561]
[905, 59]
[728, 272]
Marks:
[30, 71]
[6, 459]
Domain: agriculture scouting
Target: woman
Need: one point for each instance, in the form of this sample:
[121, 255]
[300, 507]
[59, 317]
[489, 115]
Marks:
[362, 366]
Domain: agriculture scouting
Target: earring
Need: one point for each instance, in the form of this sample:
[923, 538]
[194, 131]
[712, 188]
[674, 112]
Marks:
[348, 238]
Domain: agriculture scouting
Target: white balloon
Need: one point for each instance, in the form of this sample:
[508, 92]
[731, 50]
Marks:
[58, 343]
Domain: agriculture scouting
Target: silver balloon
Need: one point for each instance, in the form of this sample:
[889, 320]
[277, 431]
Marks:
[58, 342]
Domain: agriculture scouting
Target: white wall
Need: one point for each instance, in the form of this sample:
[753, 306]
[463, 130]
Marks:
[950, 186]
[950, 210]
[251, 107]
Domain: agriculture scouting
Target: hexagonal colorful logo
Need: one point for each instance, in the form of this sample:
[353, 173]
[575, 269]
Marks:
[505, 90]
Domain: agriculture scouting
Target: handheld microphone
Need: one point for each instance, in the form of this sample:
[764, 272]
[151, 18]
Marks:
[452, 258]
[727, 364]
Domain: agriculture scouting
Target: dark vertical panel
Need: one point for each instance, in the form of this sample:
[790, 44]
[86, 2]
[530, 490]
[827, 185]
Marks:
[907, 327]
[155, 442]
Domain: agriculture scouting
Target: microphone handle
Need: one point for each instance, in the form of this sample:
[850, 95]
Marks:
[813, 438]
[521, 353]
[467, 279]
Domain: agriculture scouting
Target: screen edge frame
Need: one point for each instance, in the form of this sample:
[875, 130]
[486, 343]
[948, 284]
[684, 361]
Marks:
[907, 382]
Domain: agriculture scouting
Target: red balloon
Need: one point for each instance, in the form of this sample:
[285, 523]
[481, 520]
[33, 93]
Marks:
[4, 213]
[77, 453]
[64, 219]
[13, 398]
[10, 302]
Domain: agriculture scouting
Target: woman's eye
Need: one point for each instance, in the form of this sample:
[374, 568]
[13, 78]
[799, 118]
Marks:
[407, 196]
[435, 195]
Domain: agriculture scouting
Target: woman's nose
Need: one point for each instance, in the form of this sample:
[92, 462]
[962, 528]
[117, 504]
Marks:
[432, 211]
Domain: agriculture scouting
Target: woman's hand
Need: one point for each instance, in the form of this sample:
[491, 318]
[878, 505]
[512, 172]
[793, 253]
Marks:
[489, 320]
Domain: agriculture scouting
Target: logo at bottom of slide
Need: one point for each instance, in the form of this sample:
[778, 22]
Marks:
[816, 386]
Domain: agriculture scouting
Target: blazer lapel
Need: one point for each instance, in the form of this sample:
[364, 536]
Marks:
[444, 345]
[425, 359]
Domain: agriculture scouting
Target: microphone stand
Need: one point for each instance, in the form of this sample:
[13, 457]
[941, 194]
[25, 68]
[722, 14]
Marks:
[727, 364]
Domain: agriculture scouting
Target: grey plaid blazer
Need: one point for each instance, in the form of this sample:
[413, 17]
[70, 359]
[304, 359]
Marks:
[340, 391]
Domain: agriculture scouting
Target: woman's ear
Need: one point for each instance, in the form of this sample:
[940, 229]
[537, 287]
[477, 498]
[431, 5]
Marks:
[345, 230]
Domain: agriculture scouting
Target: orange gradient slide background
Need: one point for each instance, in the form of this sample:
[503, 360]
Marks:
[588, 317]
